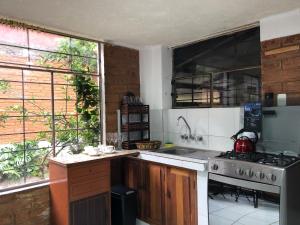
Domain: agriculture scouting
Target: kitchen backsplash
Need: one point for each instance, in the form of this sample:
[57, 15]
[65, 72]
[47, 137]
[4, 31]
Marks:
[215, 125]
[281, 132]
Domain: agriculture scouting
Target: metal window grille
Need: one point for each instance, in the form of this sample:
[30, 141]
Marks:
[29, 119]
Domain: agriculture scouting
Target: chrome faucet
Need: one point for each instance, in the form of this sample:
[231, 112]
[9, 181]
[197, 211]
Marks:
[188, 126]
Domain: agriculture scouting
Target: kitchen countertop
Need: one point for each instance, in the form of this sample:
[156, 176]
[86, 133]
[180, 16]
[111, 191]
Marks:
[81, 158]
[195, 161]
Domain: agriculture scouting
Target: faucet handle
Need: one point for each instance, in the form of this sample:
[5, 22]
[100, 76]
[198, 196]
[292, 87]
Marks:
[199, 138]
[184, 137]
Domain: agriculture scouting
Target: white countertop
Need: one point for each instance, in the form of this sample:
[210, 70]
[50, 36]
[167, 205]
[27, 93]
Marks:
[195, 161]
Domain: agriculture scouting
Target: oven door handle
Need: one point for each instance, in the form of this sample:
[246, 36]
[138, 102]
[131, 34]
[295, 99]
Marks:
[245, 183]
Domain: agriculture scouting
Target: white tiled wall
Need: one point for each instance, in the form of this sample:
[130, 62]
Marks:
[215, 125]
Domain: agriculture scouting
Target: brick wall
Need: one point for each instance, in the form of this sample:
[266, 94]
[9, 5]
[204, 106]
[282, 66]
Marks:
[122, 75]
[281, 67]
[25, 208]
[36, 91]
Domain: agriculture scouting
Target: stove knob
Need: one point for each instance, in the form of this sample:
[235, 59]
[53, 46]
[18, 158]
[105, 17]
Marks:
[249, 173]
[215, 167]
[260, 175]
[239, 171]
[271, 177]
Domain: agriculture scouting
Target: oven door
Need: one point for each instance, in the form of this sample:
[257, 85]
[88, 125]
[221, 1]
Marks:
[242, 202]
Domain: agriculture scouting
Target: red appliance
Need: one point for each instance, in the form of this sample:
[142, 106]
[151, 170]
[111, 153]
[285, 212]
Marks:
[245, 141]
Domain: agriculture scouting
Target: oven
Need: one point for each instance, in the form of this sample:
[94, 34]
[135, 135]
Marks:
[246, 193]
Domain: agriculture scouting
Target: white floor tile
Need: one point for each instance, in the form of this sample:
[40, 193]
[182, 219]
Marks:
[222, 211]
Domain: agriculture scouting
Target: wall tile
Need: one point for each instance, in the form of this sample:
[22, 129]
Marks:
[220, 143]
[223, 121]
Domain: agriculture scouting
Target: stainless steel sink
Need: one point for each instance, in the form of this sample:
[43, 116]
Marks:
[177, 151]
[189, 152]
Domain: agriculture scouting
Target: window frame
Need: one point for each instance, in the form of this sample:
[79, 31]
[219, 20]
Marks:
[99, 74]
[211, 104]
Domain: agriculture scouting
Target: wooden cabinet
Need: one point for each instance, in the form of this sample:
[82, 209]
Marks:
[80, 193]
[166, 195]
[181, 203]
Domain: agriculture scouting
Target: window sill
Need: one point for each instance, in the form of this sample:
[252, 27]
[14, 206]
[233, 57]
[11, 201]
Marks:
[25, 187]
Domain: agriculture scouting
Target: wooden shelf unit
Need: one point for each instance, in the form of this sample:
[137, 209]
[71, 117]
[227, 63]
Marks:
[140, 125]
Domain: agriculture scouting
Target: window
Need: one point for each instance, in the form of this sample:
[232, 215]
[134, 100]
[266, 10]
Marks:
[219, 72]
[49, 100]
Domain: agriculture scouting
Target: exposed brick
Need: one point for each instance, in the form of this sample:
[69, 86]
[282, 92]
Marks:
[272, 87]
[281, 71]
[122, 76]
[271, 44]
[291, 63]
[291, 40]
[29, 207]
[292, 86]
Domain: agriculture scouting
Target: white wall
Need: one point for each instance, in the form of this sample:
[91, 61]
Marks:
[155, 78]
[280, 25]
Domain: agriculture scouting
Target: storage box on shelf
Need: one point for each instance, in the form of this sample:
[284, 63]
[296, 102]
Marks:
[135, 124]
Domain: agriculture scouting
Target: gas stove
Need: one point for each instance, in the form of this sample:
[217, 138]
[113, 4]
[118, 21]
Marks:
[278, 160]
[257, 166]
[278, 174]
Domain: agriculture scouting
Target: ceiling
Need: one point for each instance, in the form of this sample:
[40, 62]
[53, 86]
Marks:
[143, 22]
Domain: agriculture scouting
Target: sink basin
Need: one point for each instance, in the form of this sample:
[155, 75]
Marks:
[177, 151]
[189, 152]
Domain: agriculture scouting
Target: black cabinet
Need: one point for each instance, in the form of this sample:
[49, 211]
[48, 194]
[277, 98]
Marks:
[91, 211]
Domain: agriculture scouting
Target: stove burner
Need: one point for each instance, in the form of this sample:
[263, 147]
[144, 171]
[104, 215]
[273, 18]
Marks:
[280, 160]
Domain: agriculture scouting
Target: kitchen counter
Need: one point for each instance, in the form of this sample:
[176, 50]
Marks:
[194, 161]
[82, 158]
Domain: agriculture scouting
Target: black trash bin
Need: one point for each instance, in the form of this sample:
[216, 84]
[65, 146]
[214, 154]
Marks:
[123, 205]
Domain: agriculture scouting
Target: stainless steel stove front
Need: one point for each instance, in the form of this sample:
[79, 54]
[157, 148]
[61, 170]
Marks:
[259, 177]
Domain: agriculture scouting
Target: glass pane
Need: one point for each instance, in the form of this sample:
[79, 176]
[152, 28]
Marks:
[10, 74]
[38, 107]
[82, 64]
[10, 108]
[13, 36]
[13, 55]
[63, 78]
[37, 76]
[10, 89]
[37, 91]
[66, 137]
[49, 42]
[8, 142]
[12, 125]
[63, 107]
[89, 136]
[64, 92]
[84, 48]
[64, 122]
[49, 60]
[38, 123]
[43, 139]
[12, 160]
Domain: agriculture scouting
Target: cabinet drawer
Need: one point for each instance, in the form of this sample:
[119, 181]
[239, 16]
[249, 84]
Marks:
[89, 188]
[82, 173]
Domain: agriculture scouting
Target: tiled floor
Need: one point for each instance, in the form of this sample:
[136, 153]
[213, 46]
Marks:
[228, 212]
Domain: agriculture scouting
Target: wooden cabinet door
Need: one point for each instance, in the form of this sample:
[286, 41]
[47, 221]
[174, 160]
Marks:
[91, 211]
[148, 179]
[154, 194]
[181, 199]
